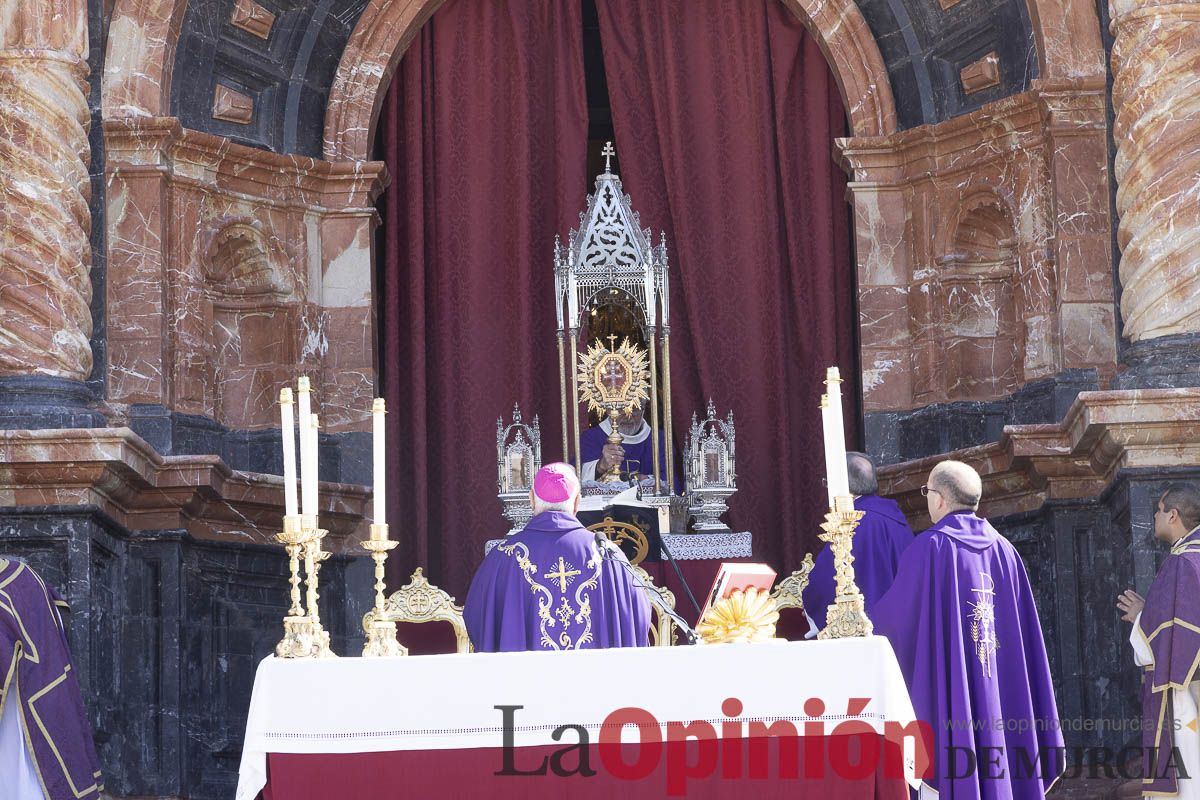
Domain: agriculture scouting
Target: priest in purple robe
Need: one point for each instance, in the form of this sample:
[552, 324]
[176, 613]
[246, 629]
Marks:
[46, 746]
[634, 455]
[881, 537]
[960, 616]
[1166, 644]
[550, 587]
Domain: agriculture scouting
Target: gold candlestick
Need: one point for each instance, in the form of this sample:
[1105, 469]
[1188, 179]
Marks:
[381, 632]
[303, 635]
[846, 615]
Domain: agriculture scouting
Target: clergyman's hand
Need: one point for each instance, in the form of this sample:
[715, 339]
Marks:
[1131, 604]
[611, 456]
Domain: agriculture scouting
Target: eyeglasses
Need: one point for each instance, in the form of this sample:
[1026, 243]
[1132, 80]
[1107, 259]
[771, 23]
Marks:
[925, 490]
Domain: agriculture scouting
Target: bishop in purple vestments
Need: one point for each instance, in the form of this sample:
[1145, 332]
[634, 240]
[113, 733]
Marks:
[550, 587]
[1166, 643]
[880, 539]
[36, 673]
[960, 616]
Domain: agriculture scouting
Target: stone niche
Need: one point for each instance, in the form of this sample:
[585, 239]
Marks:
[250, 296]
[975, 304]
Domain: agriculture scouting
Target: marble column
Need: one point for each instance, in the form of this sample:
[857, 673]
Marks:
[45, 257]
[1156, 97]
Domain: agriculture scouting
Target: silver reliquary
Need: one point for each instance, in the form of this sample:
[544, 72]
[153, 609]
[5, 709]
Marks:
[518, 458]
[710, 466]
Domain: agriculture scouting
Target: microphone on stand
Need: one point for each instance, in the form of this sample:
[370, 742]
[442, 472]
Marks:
[612, 552]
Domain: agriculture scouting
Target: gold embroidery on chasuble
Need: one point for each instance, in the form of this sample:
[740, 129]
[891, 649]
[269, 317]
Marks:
[983, 623]
[556, 619]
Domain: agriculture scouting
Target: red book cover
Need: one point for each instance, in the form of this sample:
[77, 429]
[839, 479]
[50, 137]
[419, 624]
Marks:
[733, 576]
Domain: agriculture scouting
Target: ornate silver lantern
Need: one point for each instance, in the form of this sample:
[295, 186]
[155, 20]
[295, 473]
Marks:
[518, 458]
[711, 467]
[610, 260]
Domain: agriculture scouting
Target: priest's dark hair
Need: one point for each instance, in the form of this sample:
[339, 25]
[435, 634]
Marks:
[1184, 498]
[860, 468]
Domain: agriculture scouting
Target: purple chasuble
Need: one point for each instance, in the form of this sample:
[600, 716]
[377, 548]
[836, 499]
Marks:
[881, 537]
[1170, 626]
[638, 457]
[961, 618]
[547, 588]
[35, 662]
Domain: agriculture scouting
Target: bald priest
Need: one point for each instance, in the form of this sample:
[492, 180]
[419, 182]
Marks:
[550, 587]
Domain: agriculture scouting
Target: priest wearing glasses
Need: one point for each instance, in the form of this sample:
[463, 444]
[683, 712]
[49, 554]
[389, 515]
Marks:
[960, 616]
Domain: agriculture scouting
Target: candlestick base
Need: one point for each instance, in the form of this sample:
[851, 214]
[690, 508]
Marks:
[846, 616]
[303, 638]
[381, 640]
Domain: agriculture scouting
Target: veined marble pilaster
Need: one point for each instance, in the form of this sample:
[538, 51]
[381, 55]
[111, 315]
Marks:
[1155, 60]
[45, 257]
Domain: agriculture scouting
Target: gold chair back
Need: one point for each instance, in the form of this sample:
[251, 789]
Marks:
[420, 601]
[662, 627]
[788, 593]
[618, 532]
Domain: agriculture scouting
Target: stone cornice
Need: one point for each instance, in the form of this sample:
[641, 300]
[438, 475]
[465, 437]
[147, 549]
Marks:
[996, 128]
[214, 161]
[117, 471]
[1102, 433]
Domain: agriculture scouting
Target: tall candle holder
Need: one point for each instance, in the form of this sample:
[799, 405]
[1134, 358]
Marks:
[381, 632]
[846, 616]
[303, 635]
[297, 641]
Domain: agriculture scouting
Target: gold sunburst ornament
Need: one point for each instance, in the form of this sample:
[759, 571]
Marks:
[745, 616]
[614, 380]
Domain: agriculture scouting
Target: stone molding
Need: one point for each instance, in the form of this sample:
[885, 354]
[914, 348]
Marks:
[1077, 459]
[116, 471]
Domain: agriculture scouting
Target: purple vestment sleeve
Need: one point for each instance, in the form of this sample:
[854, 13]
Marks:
[961, 618]
[35, 663]
[880, 539]
[1170, 625]
[592, 441]
[547, 588]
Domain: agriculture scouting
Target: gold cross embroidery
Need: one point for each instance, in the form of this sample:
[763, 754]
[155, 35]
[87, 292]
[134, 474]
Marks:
[562, 575]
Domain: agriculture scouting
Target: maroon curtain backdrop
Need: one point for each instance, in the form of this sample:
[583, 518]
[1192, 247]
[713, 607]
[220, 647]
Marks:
[485, 135]
[725, 112]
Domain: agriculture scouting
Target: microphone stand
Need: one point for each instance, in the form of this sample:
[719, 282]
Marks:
[662, 543]
[606, 551]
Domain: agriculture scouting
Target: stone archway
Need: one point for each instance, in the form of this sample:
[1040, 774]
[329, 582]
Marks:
[387, 27]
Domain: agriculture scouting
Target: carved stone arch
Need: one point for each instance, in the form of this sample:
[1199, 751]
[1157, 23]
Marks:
[140, 61]
[387, 27]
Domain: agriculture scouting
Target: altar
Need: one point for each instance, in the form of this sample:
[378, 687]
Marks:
[828, 719]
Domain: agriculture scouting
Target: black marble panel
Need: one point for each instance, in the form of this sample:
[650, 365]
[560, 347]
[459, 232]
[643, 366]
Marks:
[32, 402]
[288, 75]
[925, 47]
[894, 436]
[167, 633]
[1162, 363]
[97, 203]
[345, 457]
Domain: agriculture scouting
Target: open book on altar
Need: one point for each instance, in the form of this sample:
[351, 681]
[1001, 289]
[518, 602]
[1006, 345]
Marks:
[734, 576]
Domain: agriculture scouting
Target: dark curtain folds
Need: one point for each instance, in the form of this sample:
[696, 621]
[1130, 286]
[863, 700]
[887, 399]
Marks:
[485, 133]
[725, 113]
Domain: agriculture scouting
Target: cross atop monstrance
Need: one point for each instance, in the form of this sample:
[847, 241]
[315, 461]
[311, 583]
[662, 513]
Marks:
[611, 263]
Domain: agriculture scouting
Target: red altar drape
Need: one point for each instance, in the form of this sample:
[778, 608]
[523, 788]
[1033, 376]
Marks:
[485, 135]
[725, 113]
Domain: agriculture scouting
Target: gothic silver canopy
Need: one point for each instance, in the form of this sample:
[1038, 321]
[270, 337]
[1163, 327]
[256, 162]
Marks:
[610, 253]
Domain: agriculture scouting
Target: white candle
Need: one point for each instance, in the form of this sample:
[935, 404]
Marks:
[378, 410]
[310, 479]
[288, 432]
[839, 479]
[306, 460]
[827, 436]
